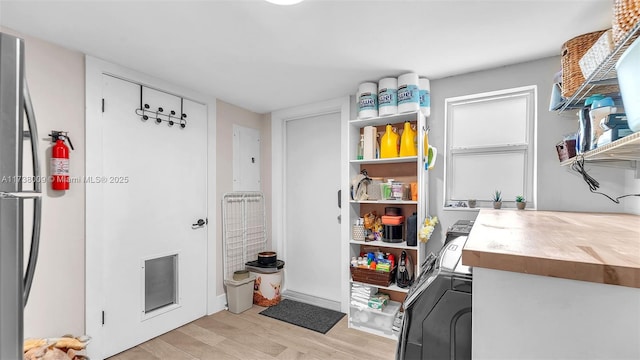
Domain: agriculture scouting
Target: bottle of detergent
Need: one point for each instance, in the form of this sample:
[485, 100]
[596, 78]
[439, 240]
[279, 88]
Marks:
[426, 143]
[389, 143]
[407, 143]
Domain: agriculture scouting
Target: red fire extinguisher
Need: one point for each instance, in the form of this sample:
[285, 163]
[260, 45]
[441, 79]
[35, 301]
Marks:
[60, 160]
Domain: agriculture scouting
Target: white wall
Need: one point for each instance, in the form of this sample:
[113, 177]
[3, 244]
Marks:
[227, 115]
[56, 80]
[558, 187]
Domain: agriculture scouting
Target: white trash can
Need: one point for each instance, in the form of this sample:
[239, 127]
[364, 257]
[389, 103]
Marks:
[240, 294]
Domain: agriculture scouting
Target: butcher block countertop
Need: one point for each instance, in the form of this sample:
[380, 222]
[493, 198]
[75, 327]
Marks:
[596, 247]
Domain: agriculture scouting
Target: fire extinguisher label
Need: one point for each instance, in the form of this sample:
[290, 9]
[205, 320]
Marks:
[59, 166]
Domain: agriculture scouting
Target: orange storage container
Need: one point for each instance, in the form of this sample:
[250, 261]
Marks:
[392, 220]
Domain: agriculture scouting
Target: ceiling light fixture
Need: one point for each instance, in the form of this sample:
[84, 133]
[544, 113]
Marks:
[284, 2]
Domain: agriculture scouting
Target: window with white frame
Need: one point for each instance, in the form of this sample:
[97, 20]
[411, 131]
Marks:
[490, 145]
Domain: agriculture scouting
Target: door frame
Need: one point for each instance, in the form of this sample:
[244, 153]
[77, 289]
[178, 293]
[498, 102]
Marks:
[94, 292]
[278, 194]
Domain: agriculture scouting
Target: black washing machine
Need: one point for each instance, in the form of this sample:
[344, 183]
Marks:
[437, 309]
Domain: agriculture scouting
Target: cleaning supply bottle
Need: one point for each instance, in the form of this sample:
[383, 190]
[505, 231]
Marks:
[360, 155]
[426, 143]
[389, 143]
[407, 143]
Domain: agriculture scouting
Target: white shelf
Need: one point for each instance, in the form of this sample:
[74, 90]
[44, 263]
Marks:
[395, 160]
[397, 202]
[410, 167]
[605, 71]
[400, 245]
[393, 287]
[627, 148]
[394, 335]
[384, 120]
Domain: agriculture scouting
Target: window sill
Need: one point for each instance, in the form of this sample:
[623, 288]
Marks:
[461, 208]
[477, 208]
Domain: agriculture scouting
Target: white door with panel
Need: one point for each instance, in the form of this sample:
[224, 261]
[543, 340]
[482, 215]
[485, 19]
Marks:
[154, 194]
[312, 228]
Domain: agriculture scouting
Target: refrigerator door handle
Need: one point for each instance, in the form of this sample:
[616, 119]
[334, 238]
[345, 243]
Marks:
[35, 246]
[33, 131]
[37, 208]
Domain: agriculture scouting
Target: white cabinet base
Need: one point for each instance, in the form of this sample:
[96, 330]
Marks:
[521, 316]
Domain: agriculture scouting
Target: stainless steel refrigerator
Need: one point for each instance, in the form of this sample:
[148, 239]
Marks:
[17, 192]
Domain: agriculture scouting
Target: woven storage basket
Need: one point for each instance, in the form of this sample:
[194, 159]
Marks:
[597, 54]
[572, 51]
[626, 14]
[374, 277]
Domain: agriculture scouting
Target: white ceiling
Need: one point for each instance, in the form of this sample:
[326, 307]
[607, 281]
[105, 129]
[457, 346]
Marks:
[265, 57]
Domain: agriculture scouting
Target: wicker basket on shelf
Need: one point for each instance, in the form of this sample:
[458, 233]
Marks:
[572, 51]
[626, 14]
[374, 277]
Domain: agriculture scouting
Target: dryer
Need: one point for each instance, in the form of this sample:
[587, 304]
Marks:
[437, 309]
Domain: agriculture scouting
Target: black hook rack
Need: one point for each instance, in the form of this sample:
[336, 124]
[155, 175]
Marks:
[171, 119]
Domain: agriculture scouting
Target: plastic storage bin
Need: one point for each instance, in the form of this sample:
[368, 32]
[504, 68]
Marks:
[376, 319]
[240, 294]
[628, 68]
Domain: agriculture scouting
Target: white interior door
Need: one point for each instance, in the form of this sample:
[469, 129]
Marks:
[154, 189]
[312, 229]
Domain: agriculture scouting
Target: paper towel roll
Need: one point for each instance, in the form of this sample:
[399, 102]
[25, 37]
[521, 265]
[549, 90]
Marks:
[408, 93]
[388, 96]
[425, 96]
[367, 98]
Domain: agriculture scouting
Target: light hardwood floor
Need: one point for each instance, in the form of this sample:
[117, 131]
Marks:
[249, 335]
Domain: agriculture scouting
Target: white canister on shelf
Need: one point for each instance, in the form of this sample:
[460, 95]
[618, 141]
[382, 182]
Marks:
[408, 93]
[425, 96]
[367, 99]
[388, 96]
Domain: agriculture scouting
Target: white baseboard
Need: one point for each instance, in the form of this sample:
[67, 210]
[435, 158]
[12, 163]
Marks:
[310, 299]
[219, 304]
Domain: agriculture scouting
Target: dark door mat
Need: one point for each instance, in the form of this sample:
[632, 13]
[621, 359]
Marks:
[305, 315]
